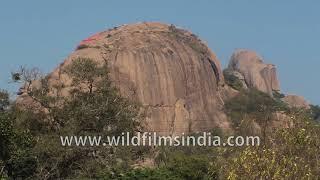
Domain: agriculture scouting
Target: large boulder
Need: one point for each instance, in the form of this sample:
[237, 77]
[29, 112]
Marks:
[256, 73]
[171, 72]
[295, 101]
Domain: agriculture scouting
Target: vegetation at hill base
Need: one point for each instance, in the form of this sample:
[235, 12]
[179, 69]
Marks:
[30, 146]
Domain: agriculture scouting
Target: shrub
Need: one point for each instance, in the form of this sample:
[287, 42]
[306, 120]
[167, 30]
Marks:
[232, 80]
[178, 166]
[278, 95]
[4, 100]
[252, 102]
[154, 174]
[293, 154]
[315, 112]
[191, 40]
[182, 164]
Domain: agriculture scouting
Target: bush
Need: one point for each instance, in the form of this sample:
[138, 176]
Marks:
[4, 100]
[315, 112]
[293, 154]
[145, 174]
[254, 103]
[178, 166]
[192, 40]
[278, 95]
[181, 161]
[232, 80]
[181, 164]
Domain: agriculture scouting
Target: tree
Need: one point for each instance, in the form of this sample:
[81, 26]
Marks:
[252, 109]
[15, 143]
[232, 80]
[93, 107]
[85, 73]
[95, 104]
[26, 76]
[6, 131]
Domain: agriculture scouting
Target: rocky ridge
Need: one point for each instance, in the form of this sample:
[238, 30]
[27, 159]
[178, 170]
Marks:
[173, 74]
[250, 68]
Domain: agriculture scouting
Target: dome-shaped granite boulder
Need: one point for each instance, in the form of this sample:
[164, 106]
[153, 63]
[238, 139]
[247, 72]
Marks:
[169, 70]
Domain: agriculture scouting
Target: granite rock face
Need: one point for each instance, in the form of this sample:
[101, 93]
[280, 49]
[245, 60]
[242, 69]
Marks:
[170, 71]
[256, 73]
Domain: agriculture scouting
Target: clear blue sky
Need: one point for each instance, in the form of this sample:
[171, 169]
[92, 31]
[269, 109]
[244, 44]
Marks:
[286, 33]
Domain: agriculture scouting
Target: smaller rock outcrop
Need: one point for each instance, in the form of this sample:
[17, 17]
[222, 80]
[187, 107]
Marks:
[296, 101]
[250, 67]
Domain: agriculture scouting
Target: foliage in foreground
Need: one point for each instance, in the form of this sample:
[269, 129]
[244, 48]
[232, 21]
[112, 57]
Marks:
[287, 153]
[292, 154]
[93, 107]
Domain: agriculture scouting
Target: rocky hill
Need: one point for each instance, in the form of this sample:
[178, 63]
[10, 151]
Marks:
[250, 68]
[172, 73]
[254, 72]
